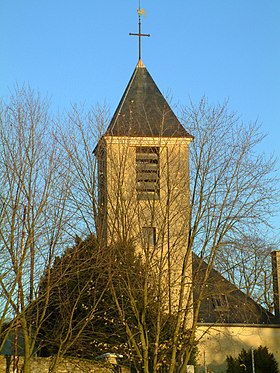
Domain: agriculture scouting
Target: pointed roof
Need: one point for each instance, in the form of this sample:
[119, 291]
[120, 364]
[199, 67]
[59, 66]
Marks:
[143, 111]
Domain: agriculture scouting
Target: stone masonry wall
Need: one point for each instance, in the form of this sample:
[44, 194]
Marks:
[41, 365]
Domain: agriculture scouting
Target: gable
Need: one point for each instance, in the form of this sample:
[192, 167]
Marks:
[223, 302]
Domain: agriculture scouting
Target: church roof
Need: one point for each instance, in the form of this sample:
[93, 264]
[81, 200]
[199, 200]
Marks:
[143, 111]
[222, 302]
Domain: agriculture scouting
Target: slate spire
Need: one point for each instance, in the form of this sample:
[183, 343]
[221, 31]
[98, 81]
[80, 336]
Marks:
[143, 111]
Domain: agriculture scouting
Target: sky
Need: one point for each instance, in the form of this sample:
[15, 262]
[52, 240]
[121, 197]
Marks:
[80, 52]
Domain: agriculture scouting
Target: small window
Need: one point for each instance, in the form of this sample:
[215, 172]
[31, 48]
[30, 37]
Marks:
[220, 303]
[147, 172]
[149, 236]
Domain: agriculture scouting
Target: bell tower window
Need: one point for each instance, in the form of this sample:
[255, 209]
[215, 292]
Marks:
[147, 173]
[149, 236]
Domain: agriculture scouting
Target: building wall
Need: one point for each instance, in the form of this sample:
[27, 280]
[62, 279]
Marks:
[41, 365]
[121, 196]
[216, 342]
[125, 214]
[275, 256]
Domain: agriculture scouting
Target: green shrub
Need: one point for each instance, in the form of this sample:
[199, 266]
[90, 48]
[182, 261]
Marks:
[264, 362]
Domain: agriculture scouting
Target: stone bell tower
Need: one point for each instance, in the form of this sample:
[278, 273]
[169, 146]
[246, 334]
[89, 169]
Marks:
[143, 165]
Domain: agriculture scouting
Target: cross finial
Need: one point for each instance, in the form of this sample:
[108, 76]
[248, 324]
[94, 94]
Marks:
[139, 34]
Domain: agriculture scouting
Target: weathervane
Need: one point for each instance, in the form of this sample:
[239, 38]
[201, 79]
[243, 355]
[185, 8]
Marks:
[139, 34]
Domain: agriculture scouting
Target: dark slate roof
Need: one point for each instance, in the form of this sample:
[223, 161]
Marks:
[238, 309]
[143, 111]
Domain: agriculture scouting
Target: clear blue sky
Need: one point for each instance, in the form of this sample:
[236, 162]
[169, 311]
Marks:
[80, 51]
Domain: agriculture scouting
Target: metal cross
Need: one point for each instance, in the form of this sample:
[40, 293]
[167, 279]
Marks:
[139, 34]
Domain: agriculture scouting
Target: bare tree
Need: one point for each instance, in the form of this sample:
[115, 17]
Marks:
[77, 133]
[33, 197]
[247, 264]
[77, 288]
[232, 191]
[232, 185]
[74, 275]
[49, 193]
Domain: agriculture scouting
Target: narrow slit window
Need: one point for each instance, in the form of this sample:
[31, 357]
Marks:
[147, 172]
[149, 236]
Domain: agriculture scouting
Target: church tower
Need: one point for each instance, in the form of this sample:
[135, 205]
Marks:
[143, 167]
[144, 177]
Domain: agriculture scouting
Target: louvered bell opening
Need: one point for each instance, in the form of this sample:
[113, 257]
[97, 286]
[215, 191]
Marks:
[147, 172]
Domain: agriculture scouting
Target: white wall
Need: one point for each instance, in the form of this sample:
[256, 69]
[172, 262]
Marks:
[218, 341]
